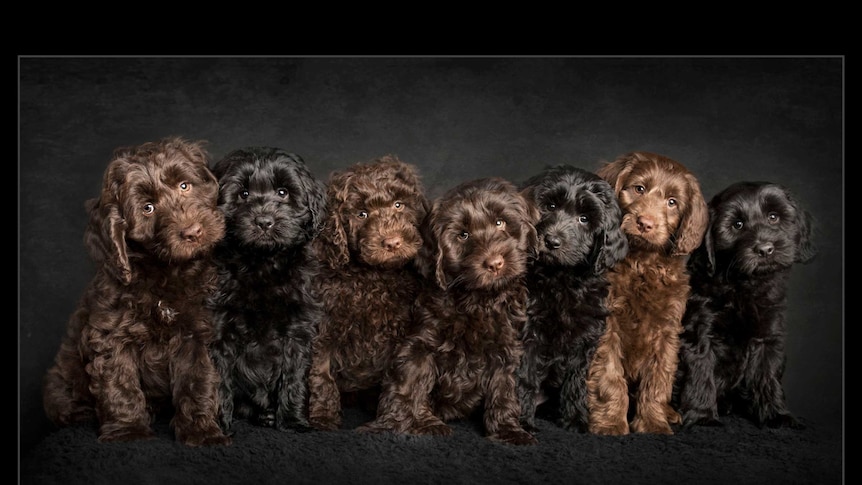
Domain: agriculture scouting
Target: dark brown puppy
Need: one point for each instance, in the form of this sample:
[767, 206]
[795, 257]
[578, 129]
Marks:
[367, 282]
[466, 349]
[664, 219]
[137, 344]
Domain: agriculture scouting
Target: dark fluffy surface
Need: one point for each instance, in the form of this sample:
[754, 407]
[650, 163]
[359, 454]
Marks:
[737, 453]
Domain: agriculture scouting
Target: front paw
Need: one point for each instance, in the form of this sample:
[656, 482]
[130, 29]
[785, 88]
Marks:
[324, 423]
[700, 418]
[202, 437]
[783, 421]
[513, 437]
[651, 427]
[110, 433]
[432, 428]
[618, 429]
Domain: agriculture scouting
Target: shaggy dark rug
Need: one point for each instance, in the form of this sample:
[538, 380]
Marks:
[737, 453]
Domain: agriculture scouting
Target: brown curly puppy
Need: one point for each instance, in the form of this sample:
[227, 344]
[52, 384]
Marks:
[466, 348]
[367, 245]
[137, 344]
[664, 218]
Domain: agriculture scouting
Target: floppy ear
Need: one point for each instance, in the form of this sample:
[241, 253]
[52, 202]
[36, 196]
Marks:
[613, 248]
[805, 247]
[331, 242]
[315, 194]
[694, 222]
[105, 237]
[615, 172]
[429, 258]
[531, 217]
[703, 257]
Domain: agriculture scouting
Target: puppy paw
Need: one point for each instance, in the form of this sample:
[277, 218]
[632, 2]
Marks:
[651, 427]
[783, 421]
[432, 429]
[265, 419]
[202, 437]
[116, 433]
[613, 430]
[513, 437]
[324, 423]
[699, 418]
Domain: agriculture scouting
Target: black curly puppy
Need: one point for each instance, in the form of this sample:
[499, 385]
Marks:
[266, 311]
[579, 238]
[732, 354]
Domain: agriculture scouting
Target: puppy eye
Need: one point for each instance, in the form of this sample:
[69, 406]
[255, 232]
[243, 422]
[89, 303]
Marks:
[282, 192]
[737, 225]
[149, 208]
[671, 202]
[773, 218]
[399, 205]
[362, 215]
[243, 194]
[501, 224]
[551, 207]
[185, 186]
[640, 189]
[583, 219]
[464, 235]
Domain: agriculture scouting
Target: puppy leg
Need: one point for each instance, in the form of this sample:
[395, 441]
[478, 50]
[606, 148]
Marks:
[324, 399]
[763, 377]
[194, 381]
[607, 389]
[528, 389]
[223, 359]
[121, 404]
[65, 394]
[574, 410]
[654, 412]
[698, 396]
[502, 410]
[293, 390]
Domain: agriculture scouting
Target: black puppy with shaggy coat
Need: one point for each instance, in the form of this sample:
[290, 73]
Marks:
[579, 239]
[266, 311]
[732, 355]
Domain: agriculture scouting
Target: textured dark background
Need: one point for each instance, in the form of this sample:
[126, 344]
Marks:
[727, 119]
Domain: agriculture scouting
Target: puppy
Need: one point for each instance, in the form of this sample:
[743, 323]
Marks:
[732, 350]
[466, 349]
[579, 239]
[137, 343]
[664, 218]
[266, 311]
[367, 282]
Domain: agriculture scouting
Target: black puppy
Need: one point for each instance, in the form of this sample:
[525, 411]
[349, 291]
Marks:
[732, 354]
[579, 238]
[266, 311]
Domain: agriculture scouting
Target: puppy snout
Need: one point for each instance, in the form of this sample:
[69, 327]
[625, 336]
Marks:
[645, 223]
[264, 222]
[192, 232]
[764, 249]
[553, 241]
[494, 263]
[392, 243]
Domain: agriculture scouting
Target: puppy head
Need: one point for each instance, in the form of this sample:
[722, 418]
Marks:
[580, 218]
[375, 210]
[479, 235]
[269, 198]
[755, 228]
[663, 206]
[157, 199]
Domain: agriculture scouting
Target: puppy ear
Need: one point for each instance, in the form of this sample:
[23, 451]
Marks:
[805, 247]
[429, 258]
[615, 172]
[613, 248]
[703, 257]
[694, 222]
[105, 237]
[331, 242]
[532, 216]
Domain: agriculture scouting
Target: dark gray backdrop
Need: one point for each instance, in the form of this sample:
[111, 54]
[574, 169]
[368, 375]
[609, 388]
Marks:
[727, 119]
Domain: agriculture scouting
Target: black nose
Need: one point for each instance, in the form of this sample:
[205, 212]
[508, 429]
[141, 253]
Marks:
[553, 242]
[765, 249]
[264, 222]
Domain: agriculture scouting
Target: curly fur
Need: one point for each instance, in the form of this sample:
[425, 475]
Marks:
[579, 239]
[368, 243]
[137, 343]
[732, 354]
[466, 348]
[664, 218]
[266, 310]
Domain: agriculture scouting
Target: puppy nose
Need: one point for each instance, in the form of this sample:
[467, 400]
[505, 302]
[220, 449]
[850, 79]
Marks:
[264, 222]
[494, 263]
[765, 249]
[645, 224]
[193, 232]
[552, 242]
[392, 243]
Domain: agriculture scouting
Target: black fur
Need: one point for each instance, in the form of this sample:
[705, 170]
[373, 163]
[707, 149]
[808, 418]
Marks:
[266, 311]
[732, 355]
[579, 238]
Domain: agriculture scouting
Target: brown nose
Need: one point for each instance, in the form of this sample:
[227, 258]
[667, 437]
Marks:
[494, 263]
[645, 224]
[392, 243]
[193, 232]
